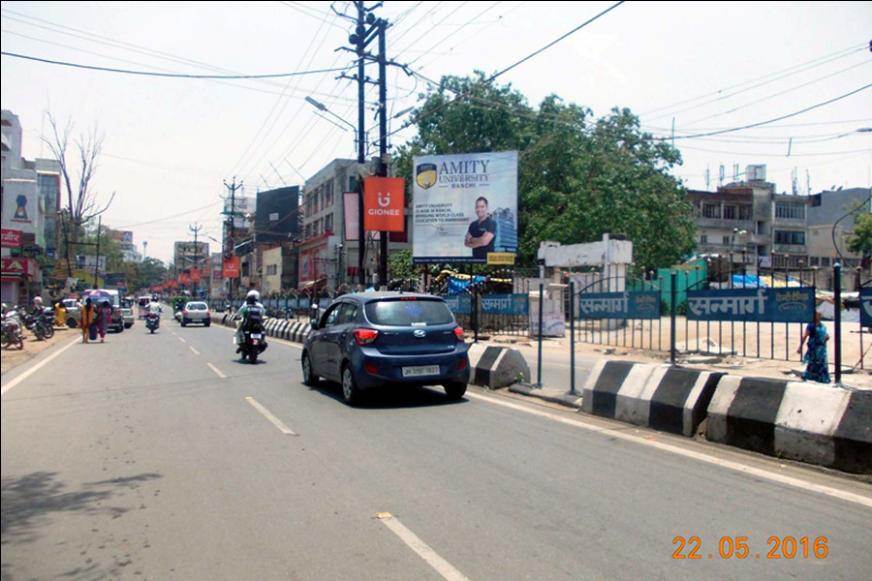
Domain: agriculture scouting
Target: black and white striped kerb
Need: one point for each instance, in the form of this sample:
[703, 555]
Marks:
[810, 422]
[495, 367]
[670, 399]
[482, 370]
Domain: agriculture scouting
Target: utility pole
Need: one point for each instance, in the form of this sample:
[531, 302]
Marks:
[230, 225]
[382, 168]
[359, 41]
[195, 230]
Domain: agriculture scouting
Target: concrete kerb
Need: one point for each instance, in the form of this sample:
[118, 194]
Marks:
[808, 422]
[495, 367]
[661, 397]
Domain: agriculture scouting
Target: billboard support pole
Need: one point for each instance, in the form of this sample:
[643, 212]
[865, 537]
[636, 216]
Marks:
[97, 262]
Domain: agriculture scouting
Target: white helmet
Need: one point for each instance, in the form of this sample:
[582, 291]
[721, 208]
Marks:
[253, 295]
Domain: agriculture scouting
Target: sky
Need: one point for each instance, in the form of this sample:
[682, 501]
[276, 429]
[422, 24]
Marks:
[170, 143]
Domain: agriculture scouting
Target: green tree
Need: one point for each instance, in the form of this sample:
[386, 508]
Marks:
[861, 240]
[579, 177]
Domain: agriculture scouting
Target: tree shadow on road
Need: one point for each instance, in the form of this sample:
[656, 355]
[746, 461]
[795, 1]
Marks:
[29, 502]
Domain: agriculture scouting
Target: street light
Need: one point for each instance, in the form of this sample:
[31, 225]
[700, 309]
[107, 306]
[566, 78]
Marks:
[323, 108]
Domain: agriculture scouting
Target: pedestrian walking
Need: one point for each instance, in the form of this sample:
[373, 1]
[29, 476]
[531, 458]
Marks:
[87, 318]
[817, 368]
[104, 316]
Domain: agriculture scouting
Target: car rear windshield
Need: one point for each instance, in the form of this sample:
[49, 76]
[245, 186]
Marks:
[408, 313]
[197, 306]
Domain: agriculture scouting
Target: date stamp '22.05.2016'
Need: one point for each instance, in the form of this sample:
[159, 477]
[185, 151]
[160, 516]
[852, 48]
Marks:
[741, 548]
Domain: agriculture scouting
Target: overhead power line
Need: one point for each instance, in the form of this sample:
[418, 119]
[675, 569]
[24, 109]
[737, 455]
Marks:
[555, 41]
[170, 75]
[724, 93]
[773, 120]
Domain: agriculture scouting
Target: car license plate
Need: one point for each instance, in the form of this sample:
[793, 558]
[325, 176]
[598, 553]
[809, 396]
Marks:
[420, 371]
[256, 336]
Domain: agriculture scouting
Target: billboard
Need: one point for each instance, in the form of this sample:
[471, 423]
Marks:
[231, 267]
[465, 206]
[384, 200]
[278, 216]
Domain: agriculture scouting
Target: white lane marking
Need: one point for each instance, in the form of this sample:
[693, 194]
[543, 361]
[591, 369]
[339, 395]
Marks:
[216, 370]
[273, 339]
[443, 567]
[728, 464]
[182, 340]
[37, 367]
[194, 351]
[268, 415]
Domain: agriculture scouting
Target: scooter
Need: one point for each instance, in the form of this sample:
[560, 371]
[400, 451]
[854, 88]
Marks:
[253, 342]
[152, 322]
[11, 331]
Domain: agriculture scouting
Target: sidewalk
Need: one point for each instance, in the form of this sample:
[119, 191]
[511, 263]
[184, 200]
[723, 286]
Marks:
[13, 357]
[556, 368]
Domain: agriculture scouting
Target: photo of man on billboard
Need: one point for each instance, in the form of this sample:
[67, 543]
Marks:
[482, 231]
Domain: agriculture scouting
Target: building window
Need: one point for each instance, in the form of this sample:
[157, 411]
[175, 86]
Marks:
[272, 270]
[703, 239]
[328, 222]
[789, 211]
[789, 237]
[825, 261]
[711, 211]
[352, 184]
[729, 212]
[814, 261]
[745, 212]
[726, 239]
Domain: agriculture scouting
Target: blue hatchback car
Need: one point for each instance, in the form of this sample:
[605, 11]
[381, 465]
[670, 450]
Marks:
[368, 340]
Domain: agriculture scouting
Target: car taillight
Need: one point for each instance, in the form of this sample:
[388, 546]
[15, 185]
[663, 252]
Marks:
[462, 364]
[458, 332]
[371, 368]
[365, 336]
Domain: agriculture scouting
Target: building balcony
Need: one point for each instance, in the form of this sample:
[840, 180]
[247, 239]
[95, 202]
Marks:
[747, 225]
[790, 249]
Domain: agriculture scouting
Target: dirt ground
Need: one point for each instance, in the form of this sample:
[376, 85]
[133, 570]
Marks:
[13, 357]
[719, 347]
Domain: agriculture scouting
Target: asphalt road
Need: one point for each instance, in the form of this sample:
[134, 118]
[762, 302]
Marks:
[137, 459]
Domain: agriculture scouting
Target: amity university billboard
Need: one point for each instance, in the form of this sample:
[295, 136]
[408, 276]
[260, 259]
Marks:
[466, 208]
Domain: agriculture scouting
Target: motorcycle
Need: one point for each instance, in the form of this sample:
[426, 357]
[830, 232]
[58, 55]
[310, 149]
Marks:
[40, 324]
[253, 341]
[11, 331]
[152, 322]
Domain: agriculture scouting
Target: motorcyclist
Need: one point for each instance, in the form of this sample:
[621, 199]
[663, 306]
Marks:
[154, 306]
[252, 305]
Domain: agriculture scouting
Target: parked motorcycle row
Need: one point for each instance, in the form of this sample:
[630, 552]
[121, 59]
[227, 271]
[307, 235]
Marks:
[15, 321]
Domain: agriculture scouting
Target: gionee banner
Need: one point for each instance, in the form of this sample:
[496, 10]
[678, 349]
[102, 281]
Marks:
[231, 267]
[465, 207]
[383, 204]
[184, 279]
[195, 275]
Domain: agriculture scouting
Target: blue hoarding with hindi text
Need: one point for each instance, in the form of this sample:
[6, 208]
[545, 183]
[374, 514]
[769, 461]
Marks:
[767, 305]
[619, 305]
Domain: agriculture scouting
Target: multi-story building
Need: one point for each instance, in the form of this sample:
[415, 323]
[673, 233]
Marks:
[48, 185]
[789, 231]
[27, 234]
[782, 232]
[736, 220]
[830, 216]
[330, 247]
